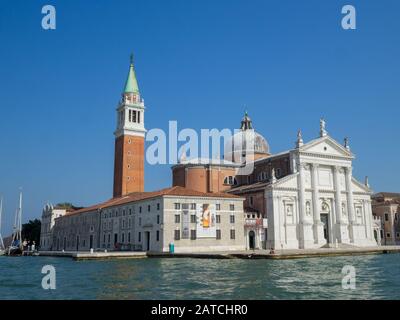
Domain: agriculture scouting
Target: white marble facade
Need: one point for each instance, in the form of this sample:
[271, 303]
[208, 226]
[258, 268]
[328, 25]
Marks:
[320, 204]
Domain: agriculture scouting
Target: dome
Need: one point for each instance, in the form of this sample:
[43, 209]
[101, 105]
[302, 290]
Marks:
[245, 142]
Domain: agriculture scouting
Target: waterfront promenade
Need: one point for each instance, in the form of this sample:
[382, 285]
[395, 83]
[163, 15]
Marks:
[249, 254]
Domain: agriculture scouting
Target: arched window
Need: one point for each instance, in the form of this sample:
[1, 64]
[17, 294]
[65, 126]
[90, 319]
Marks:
[230, 180]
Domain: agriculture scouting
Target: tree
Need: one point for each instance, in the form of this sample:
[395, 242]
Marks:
[65, 205]
[31, 231]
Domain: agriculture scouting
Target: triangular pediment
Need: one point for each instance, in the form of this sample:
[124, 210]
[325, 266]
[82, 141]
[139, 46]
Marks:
[359, 187]
[326, 146]
[289, 181]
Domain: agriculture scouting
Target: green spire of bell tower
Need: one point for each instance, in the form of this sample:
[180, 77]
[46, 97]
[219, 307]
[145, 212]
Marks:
[131, 85]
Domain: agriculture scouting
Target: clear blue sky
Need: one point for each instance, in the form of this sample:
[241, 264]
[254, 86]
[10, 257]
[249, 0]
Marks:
[197, 62]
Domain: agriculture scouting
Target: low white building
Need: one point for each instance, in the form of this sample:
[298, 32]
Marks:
[150, 221]
[49, 214]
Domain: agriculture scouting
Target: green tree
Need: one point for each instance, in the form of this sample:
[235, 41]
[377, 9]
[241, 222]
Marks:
[65, 205]
[31, 231]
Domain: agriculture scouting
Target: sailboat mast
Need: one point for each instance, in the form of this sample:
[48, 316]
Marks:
[20, 217]
[1, 212]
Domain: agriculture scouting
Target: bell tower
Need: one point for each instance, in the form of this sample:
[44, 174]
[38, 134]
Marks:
[129, 139]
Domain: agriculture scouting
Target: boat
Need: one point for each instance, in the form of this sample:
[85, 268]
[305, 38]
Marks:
[16, 249]
[2, 248]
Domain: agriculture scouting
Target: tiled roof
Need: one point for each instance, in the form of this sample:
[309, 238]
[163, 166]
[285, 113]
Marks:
[256, 186]
[138, 196]
[386, 195]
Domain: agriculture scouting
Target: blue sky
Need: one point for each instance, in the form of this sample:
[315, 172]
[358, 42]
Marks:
[200, 63]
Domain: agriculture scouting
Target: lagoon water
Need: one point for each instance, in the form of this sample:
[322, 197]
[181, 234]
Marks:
[377, 277]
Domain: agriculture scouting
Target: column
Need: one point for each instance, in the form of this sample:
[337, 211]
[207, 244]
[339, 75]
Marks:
[350, 202]
[306, 238]
[338, 201]
[314, 184]
[301, 194]
[318, 229]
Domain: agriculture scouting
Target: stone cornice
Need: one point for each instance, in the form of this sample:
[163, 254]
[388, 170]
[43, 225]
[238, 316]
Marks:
[325, 156]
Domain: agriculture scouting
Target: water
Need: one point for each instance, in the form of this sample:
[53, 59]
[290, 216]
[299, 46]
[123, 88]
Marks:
[378, 277]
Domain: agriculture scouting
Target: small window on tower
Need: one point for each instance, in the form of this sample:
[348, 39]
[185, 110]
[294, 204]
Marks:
[134, 116]
[138, 117]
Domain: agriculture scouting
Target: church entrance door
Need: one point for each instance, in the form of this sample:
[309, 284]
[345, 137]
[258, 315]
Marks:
[325, 222]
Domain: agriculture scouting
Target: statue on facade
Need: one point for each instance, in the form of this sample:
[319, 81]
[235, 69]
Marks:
[322, 127]
[299, 141]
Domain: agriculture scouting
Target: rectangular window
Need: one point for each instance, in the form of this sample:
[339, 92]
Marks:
[218, 218]
[398, 234]
[232, 218]
[388, 235]
[232, 233]
[133, 116]
[130, 211]
[158, 206]
[140, 209]
[218, 207]
[148, 208]
[129, 237]
[177, 206]
[193, 206]
[193, 218]
[192, 234]
[177, 218]
[232, 207]
[158, 235]
[386, 217]
[140, 221]
[251, 201]
[140, 237]
[218, 234]
[109, 238]
[138, 117]
[158, 219]
[177, 234]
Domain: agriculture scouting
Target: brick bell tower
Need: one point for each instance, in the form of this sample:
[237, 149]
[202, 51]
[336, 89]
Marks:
[129, 139]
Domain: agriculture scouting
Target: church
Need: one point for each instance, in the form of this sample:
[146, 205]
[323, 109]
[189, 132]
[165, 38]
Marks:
[301, 198]
[307, 196]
